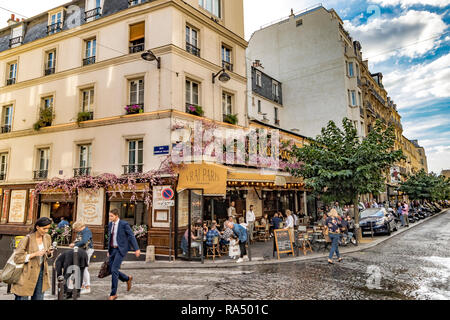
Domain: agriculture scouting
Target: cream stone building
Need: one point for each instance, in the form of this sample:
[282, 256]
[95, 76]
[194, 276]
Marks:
[78, 98]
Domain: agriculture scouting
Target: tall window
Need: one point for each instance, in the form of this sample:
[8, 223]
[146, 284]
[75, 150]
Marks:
[90, 51]
[350, 69]
[7, 118]
[135, 156]
[55, 23]
[259, 106]
[352, 97]
[47, 102]
[12, 73]
[227, 103]
[213, 6]
[275, 92]
[50, 62]
[87, 102]
[192, 41]
[226, 58]
[84, 160]
[258, 79]
[137, 92]
[3, 165]
[42, 163]
[192, 92]
[137, 37]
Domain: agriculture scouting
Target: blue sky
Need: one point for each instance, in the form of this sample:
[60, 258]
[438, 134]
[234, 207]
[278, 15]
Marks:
[416, 75]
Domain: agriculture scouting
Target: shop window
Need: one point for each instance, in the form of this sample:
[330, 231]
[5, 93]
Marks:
[133, 213]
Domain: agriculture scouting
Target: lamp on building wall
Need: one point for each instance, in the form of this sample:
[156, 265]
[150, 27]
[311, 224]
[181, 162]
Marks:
[150, 56]
[223, 76]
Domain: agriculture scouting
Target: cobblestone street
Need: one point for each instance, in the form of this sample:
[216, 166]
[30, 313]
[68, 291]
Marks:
[412, 265]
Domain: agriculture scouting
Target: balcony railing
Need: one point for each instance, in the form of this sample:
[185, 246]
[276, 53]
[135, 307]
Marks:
[276, 98]
[193, 49]
[94, 13]
[55, 27]
[10, 81]
[6, 128]
[132, 168]
[227, 65]
[49, 71]
[79, 172]
[135, 2]
[88, 61]
[40, 174]
[16, 40]
[2, 175]
[137, 48]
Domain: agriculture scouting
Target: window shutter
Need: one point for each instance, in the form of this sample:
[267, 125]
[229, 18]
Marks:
[137, 31]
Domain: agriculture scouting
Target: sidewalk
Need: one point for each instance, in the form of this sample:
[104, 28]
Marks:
[263, 256]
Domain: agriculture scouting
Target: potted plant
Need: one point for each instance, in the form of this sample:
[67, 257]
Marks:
[230, 118]
[195, 110]
[133, 109]
[46, 117]
[140, 232]
[83, 116]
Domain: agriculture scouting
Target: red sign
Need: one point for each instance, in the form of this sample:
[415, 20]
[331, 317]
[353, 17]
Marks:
[167, 193]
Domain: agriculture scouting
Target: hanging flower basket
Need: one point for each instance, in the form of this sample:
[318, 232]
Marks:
[134, 109]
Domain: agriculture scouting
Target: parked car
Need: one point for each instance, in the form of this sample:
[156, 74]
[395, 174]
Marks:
[378, 220]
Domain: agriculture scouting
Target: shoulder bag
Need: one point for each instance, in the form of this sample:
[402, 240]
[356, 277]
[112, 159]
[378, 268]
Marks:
[11, 272]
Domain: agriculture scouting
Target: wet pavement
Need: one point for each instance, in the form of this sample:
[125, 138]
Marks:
[412, 265]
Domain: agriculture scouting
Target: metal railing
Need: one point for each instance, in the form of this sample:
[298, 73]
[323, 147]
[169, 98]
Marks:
[132, 168]
[78, 172]
[53, 28]
[6, 128]
[94, 13]
[16, 40]
[227, 65]
[137, 48]
[88, 61]
[10, 81]
[2, 175]
[40, 174]
[49, 71]
[193, 49]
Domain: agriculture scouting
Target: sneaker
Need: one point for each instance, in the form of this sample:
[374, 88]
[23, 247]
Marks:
[239, 260]
[246, 258]
[85, 291]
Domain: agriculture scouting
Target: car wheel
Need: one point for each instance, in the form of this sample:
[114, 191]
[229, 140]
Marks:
[389, 231]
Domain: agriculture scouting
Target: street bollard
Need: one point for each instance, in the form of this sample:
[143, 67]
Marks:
[75, 273]
[249, 253]
[54, 279]
[150, 254]
[60, 288]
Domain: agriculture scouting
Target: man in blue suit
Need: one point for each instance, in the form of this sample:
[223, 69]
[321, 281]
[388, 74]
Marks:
[120, 238]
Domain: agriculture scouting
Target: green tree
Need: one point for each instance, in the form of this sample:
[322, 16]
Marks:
[340, 166]
[424, 186]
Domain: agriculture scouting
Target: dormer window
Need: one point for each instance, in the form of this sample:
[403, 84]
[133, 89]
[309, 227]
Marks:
[93, 10]
[16, 38]
[213, 6]
[135, 2]
[55, 22]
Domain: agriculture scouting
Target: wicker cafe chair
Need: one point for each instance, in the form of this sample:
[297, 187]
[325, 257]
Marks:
[211, 251]
[304, 241]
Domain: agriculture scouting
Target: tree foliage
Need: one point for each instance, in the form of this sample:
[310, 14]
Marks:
[338, 165]
[423, 186]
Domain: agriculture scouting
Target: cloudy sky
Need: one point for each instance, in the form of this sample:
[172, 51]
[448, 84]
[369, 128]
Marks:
[407, 40]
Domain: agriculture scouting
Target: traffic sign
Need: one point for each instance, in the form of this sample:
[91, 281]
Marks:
[167, 193]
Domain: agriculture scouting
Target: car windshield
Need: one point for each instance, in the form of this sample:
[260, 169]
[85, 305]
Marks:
[372, 212]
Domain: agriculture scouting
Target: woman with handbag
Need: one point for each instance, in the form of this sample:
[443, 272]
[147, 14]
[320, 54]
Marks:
[84, 241]
[34, 251]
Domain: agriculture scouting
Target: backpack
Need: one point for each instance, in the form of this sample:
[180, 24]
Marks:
[11, 272]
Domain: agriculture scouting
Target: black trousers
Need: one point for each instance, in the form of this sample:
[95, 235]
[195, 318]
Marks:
[242, 248]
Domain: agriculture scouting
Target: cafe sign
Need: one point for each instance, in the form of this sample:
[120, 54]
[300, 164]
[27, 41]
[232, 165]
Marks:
[90, 206]
[209, 177]
[17, 206]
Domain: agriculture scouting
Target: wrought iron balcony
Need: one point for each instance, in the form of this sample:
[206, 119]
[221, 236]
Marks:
[49, 71]
[94, 13]
[135, 2]
[6, 128]
[276, 98]
[227, 65]
[137, 48]
[88, 61]
[78, 172]
[16, 40]
[132, 168]
[53, 28]
[10, 81]
[193, 49]
[2, 175]
[40, 174]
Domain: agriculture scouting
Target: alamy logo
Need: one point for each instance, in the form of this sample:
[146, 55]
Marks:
[374, 279]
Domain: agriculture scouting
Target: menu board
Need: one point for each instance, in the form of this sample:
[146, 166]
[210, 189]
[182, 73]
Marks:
[90, 206]
[17, 206]
[283, 242]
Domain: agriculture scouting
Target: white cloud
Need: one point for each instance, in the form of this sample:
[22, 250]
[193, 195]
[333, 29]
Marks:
[408, 3]
[415, 32]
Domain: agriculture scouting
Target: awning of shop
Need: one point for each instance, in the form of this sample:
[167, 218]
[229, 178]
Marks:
[212, 178]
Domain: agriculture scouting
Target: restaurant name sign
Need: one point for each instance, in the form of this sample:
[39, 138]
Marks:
[211, 178]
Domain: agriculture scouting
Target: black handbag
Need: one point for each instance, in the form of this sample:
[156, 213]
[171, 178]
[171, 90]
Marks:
[105, 270]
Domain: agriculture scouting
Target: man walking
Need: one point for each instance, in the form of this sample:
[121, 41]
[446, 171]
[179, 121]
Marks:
[250, 217]
[120, 237]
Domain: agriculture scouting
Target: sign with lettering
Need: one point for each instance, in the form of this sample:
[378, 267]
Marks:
[160, 207]
[158, 150]
[90, 206]
[211, 178]
[17, 206]
[283, 242]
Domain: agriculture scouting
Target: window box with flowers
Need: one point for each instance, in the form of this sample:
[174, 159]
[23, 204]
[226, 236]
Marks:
[134, 108]
[46, 117]
[230, 118]
[84, 116]
[195, 110]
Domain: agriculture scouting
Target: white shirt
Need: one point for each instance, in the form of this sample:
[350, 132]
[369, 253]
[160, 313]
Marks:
[290, 222]
[231, 212]
[115, 227]
[250, 216]
[40, 248]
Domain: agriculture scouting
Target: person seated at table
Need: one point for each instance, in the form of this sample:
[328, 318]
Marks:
[322, 221]
[264, 220]
[211, 234]
[205, 228]
[194, 240]
[276, 220]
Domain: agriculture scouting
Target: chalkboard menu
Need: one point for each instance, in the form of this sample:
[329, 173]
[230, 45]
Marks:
[283, 242]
